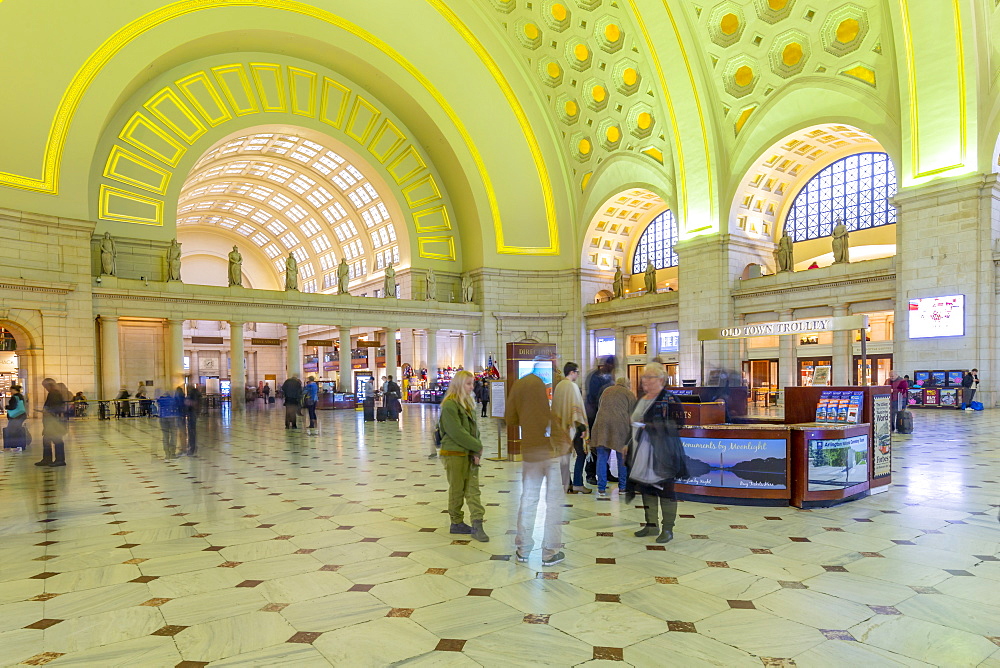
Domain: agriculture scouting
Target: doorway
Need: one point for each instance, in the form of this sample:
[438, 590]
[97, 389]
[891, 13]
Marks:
[877, 370]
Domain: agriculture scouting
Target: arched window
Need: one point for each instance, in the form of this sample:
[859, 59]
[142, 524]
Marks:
[657, 244]
[855, 189]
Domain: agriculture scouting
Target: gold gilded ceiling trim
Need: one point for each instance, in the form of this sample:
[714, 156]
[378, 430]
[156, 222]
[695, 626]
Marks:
[73, 96]
[681, 171]
[911, 80]
[529, 136]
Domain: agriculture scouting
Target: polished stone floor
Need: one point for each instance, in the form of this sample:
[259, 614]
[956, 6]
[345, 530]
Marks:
[277, 548]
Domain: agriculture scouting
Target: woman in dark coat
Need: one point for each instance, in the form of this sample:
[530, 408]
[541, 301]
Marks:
[656, 456]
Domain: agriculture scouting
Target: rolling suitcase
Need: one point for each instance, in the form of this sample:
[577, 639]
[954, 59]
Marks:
[369, 410]
[15, 437]
[380, 414]
[904, 422]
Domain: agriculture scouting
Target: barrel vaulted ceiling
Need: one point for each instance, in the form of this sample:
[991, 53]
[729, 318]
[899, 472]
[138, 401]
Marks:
[533, 116]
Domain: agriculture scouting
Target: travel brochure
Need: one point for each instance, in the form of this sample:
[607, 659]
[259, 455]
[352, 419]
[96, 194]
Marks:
[840, 407]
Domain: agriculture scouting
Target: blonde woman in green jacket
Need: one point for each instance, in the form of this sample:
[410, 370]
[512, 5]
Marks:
[461, 450]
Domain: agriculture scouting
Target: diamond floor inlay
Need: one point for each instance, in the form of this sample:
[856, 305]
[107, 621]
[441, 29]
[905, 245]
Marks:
[277, 547]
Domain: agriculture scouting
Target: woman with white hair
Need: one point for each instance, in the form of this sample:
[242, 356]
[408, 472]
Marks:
[656, 456]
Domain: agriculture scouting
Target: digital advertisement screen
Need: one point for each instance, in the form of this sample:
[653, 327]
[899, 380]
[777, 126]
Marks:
[526, 367]
[670, 342]
[605, 346]
[937, 316]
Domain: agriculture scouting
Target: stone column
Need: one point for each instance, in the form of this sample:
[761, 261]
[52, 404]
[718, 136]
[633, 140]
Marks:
[111, 374]
[620, 351]
[432, 355]
[390, 353]
[237, 367]
[652, 345]
[843, 351]
[344, 358]
[788, 362]
[175, 352]
[293, 351]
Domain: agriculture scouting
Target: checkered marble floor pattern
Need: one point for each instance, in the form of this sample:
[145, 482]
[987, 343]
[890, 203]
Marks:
[273, 547]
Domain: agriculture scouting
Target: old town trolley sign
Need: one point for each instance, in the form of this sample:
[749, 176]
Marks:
[785, 327]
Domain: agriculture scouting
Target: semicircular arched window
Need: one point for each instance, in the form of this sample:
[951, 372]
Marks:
[855, 190]
[657, 244]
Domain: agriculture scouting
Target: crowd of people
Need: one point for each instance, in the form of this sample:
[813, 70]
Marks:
[642, 432]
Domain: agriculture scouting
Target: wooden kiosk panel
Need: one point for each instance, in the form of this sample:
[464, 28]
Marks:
[726, 459]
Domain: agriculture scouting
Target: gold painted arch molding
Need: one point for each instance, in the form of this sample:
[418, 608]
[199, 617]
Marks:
[155, 138]
[73, 96]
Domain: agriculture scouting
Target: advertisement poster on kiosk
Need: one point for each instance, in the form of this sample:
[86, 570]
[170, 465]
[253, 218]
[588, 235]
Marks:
[736, 462]
[882, 457]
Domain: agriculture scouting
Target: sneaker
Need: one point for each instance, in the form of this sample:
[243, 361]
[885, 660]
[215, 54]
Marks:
[461, 527]
[520, 557]
[603, 496]
[554, 559]
[969, 409]
[579, 490]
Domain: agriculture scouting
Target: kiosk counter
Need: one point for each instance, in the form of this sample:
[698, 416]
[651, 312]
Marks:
[798, 461]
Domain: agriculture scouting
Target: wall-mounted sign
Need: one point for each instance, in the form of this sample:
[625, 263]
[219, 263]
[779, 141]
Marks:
[785, 327]
[265, 342]
[206, 339]
[8, 362]
[368, 344]
[605, 346]
[670, 341]
[320, 343]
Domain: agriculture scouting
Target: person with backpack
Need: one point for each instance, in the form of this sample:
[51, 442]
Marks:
[291, 392]
[970, 382]
[392, 397]
[15, 436]
[53, 426]
[483, 394]
[461, 452]
[310, 397]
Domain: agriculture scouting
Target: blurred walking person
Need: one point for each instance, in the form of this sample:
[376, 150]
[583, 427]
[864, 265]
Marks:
[291, 392]
[569, 427]
[192, 404]
[169, 409]
[53, 426]
[613, 433]
[656, 455]
[528, 409]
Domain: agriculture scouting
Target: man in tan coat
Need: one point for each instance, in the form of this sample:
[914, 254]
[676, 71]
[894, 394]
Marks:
[528, 408]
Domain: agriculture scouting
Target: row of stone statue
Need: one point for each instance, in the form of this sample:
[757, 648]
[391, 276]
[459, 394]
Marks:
[109, 255]
[648, 277]
[783, 260]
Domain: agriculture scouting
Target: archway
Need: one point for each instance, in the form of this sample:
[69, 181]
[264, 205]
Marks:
[819, 157]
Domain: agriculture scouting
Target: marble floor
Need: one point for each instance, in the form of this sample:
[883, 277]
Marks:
[273, 547]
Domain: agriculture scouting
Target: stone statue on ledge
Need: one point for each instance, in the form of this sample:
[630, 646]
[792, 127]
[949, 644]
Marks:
[618, 285]
[343, 276]
[432, 286]
[235, 267]
[649, 278]
[291, 274]
[174, 261]
[109, 254]
[841, 244]
[783, 254]
[389, 289]
[467, 291]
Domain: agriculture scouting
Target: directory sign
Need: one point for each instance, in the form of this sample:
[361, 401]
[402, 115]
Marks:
[670, 341]
[605, 346]
[937, 316]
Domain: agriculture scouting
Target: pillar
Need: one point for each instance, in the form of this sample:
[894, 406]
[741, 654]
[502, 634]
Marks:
[237, 366]
[843, 352]
[294, 351]
[175, 352]
[652, 345]
[390, 353]
[788, 362]
[344, 358]
[432, 355]
[621, 351]
[111, 370]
